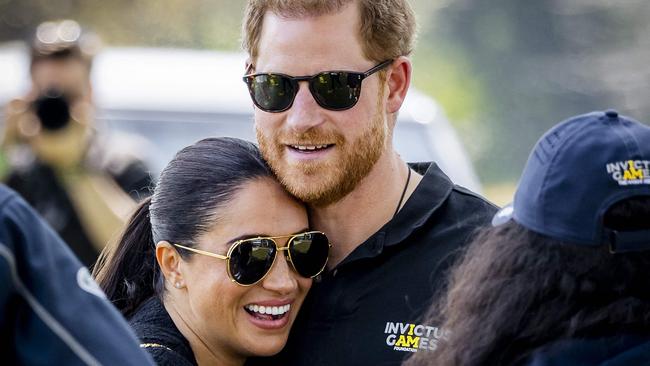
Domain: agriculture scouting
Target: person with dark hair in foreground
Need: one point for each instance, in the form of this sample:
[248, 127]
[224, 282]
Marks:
[562, 276]
[214, 267]
[51, 310]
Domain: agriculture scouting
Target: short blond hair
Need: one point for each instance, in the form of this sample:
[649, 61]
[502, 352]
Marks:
[387, 26]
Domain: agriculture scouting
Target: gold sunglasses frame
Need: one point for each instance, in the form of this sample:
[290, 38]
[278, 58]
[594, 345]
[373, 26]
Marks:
[277, 249]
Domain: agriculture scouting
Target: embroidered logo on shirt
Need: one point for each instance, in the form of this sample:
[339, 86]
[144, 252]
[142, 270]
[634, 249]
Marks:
[406, 337]
[630, 172]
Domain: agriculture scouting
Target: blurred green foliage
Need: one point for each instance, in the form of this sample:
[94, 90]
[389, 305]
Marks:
[177, 23]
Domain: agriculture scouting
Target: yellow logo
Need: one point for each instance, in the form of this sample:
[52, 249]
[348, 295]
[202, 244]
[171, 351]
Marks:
[630, 172]
[408, 337]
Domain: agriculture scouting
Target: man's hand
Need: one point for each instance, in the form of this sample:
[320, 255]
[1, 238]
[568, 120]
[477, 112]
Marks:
[64, 148]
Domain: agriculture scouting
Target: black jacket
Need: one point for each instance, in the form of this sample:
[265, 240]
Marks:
[159, 336]
[38, 184]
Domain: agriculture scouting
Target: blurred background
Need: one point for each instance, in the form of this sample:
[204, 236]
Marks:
[502, 71]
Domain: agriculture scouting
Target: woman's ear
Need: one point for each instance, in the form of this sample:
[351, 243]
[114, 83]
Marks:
[169, 261]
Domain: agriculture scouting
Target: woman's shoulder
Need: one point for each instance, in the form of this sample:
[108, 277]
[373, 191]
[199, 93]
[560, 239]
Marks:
[165, 356]
[159, 336]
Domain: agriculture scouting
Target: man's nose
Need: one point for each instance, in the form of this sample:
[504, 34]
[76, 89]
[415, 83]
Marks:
[305, 113]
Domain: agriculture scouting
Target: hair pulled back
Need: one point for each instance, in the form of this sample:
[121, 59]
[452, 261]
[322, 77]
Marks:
[199, 180]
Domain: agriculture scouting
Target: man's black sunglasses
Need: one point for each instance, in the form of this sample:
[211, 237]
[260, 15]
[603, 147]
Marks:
[333, 90]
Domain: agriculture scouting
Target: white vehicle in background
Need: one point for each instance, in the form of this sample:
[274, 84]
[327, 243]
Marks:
[170, 98]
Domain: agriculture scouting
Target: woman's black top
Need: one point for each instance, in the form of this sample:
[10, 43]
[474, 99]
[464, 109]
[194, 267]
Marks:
[159, 336]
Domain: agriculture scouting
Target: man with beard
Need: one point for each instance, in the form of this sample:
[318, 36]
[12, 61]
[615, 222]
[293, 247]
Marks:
[327, 79]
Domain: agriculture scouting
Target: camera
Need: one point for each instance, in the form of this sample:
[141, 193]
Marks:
[52, 109]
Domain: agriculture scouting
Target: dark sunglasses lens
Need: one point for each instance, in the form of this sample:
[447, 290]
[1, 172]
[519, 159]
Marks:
[271, 92]
[251, 260]
[336, 90]
[309, 253]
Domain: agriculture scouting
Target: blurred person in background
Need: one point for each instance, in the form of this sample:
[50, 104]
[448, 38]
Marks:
[562, 276]
[58, 162]
[213, 268]
[51, 310]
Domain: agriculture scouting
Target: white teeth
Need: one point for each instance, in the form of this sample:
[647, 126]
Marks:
[308, 147]
[270, 310]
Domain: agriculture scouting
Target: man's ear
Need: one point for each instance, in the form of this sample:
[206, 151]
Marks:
[399, 79]
[169, 261]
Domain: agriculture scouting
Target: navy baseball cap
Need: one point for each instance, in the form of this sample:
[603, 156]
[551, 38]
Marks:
[576, 171]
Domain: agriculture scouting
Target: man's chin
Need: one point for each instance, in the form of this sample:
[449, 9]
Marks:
[315, 199]
[316, 190]
[305, 184]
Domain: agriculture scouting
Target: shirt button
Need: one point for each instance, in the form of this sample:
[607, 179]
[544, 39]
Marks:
[335, 272]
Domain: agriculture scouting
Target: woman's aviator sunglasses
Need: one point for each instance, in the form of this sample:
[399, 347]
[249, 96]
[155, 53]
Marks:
[250, 260]
[333, 90]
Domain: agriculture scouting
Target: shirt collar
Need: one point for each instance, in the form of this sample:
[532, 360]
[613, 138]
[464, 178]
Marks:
[429, 195]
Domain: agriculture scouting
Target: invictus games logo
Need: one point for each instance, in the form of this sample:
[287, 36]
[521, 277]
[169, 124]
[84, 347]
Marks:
[407, 337]
[630, 172]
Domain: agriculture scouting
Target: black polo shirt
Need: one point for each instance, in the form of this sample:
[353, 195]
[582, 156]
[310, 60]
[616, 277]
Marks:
[369, 309]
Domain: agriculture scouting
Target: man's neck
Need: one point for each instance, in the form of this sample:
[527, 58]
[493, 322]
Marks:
[353, 219]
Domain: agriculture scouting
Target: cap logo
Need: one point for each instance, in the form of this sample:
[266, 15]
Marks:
[630, 172]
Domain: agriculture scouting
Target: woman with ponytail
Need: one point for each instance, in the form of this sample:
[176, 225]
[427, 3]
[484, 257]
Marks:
[127, 276]
[214, 266]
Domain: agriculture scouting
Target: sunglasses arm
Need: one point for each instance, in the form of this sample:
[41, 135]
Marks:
[377, 68]
[198, 251]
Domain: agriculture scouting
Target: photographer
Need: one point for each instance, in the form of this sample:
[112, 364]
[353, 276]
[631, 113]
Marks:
[58, 162]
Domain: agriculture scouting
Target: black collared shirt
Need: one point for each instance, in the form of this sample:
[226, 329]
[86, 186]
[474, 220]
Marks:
[368, 309]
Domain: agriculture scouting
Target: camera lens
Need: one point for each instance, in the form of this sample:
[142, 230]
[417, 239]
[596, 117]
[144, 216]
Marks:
[53, 110]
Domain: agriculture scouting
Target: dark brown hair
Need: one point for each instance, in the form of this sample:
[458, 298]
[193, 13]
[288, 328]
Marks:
[185, 204]
[515, 290]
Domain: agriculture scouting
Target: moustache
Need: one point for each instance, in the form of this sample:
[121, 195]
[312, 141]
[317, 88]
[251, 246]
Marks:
[310, 137]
